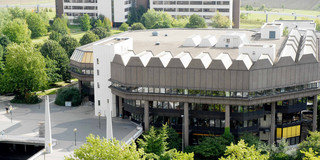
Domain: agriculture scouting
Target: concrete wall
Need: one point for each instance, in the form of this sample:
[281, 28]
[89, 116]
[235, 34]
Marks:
[265, 32]
[256, 52]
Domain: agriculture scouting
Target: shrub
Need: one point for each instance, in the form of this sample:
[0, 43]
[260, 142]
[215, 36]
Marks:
[137, 26]
[27, 98]
[101, 32]
[68, 94]
[124, 27]
[89, 37]
[55, 36]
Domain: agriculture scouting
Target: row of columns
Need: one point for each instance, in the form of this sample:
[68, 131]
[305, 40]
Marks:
[185, 130]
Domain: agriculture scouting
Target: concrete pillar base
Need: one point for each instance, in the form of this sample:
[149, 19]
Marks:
[315, 112]
[185, 125]
[146, 116]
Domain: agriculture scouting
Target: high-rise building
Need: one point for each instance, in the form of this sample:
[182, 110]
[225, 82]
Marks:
[116, 10]
[204, 8]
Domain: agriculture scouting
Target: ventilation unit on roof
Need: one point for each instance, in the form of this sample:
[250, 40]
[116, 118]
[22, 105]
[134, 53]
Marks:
[157, 43]
[155, 33]
[192, 41]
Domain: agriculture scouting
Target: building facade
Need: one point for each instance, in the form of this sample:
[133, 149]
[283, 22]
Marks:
[204, 8]
[117, 11]
[266, 86]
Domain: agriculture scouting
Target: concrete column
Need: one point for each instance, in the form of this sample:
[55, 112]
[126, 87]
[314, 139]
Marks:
[227, 117]
[48, 136]
[186, 124]
[315, 112]
[146, 115]
[273, 123]
[120, 107]
[108, 113]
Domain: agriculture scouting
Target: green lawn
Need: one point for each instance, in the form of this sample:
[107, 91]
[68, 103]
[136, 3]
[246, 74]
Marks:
[54, 90]
[256, 20]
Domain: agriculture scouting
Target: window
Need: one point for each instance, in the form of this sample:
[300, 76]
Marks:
[228, 40]
[98, 102]
[97, 60]
[98, 72]
[98, 85]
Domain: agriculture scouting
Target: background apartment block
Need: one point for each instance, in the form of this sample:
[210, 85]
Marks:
[206, 9]
[116, 10]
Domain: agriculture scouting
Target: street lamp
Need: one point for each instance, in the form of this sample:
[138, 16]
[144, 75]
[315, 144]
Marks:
[75, 136]
[182, 133]
[99, 114]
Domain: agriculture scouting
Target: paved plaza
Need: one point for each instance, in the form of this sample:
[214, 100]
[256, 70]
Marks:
[26, 120]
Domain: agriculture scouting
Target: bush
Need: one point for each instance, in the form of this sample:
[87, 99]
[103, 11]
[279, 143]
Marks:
[124, 27]
[28, 98]
[55, 36]
[101, 32]
[137, 26]
[89, 37]
[68, 94]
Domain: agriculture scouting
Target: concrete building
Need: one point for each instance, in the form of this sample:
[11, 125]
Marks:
[204, 8]
[259, 85]
[117, 11]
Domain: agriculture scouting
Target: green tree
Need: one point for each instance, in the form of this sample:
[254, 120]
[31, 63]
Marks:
[85, 22]
[99, 23]
[251, 139]
[155, 19]
[310, 155]
[68, 94]
[107, 24]
[69, 44]
[25, 70]
[180, 22]
[312, 141]
[17, 12]
[196, 21]
[220, 21]
[89, 37]
[241, 151]
[60, 25]
[52, 71]
[55, 36]
[137, 26]
[17, 31]
[135, 14]
[36, 25]
[101, 32]
[96, 148]
[155, 142]
[285, 31]
[4, 41]
[174, 140]
[54, 51]
[124, 27]
[262, 7]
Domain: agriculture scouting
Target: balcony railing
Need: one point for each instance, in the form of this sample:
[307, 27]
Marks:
[247, 115]
[292, 108]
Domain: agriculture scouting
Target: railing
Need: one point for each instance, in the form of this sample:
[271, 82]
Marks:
[132, 109]
[292, 108]
[245, 129]
[247, 115]
[206, 114]
[289, 124]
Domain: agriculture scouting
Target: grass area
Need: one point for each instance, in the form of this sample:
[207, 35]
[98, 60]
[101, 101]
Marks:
[255, 20]
[54, 90]
[25, 2]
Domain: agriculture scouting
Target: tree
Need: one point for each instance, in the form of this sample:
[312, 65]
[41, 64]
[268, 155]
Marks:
[285, 31]
[4, 41]
[251, 139]
[155, 19]
[96, 148]
[241, 151]
[60, 25]
[107, 24]
[212, 147]
[124, 27]
[25, 70]
[55, 36]
[312, 141]
[99, 23]
[310, 155]
[196, 21]
[220, 21]
[69, 44]
[52, 71]
[17, 31]
[36, 25]
[85, 22]
[101, 32]
[262, 7]
[68, 94]
[154, 142]
[174, 140]
[137, 26]
[180, 22]
[135, 14]
[54, 51]
[17, 12]
[89, 37]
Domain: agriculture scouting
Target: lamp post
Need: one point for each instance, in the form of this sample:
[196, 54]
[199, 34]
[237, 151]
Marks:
[182, 133]
[99, 114]
[75, 136]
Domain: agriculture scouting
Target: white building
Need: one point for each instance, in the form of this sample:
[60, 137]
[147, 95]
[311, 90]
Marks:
[116, 10]
[205, 8]
[272, 31]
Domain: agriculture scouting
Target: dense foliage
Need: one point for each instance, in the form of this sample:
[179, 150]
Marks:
[55, 36]
[89, 37]
[85, 22]
[196, 21]
[137, 26]
[101, 32]
[220, 21]
[68, 94]
[61, 26]
[124, 27]
[17, 31]
[36, 24]
[69, 44]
